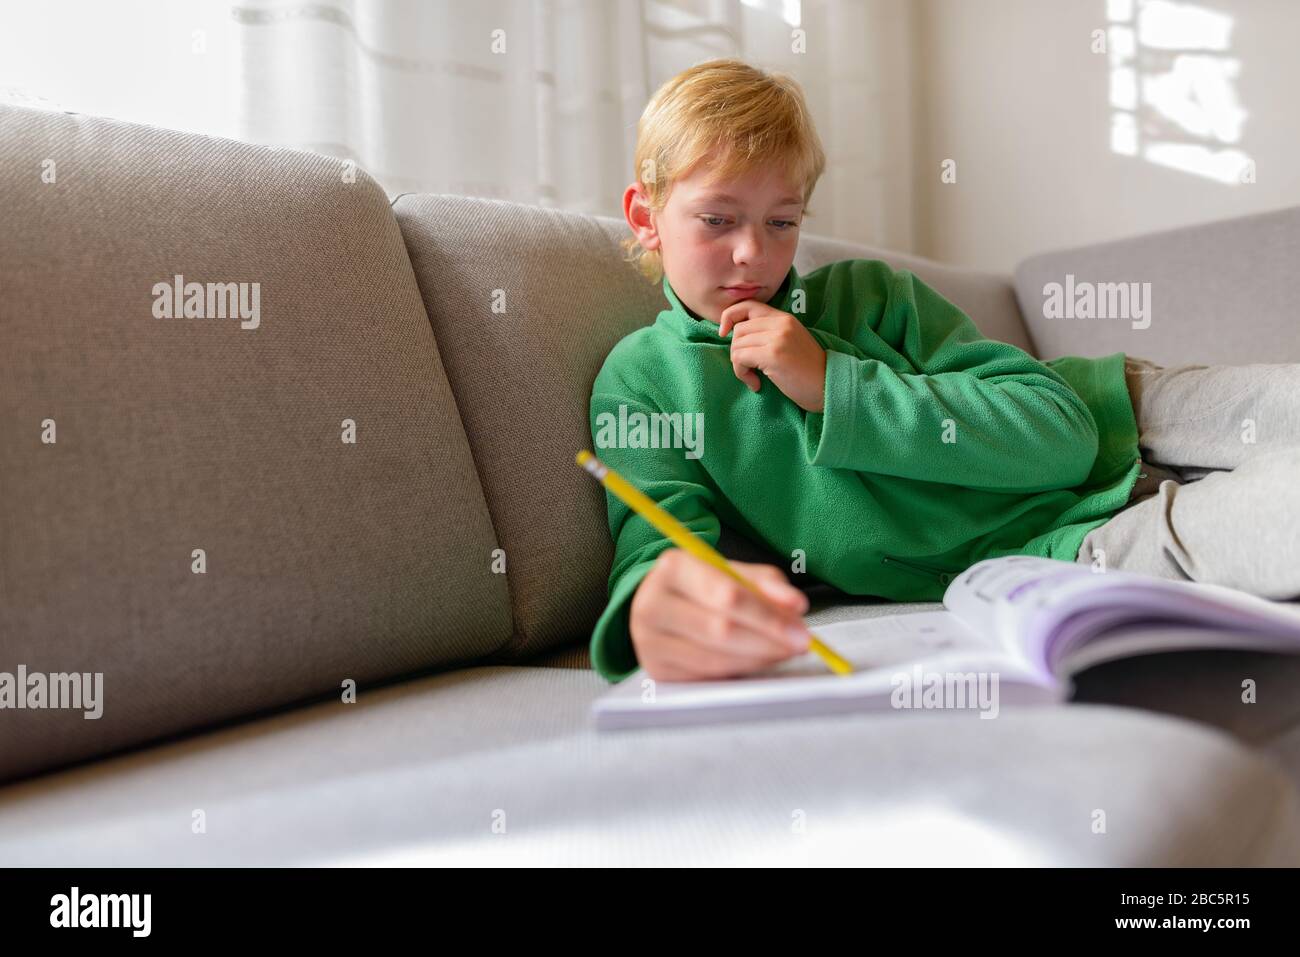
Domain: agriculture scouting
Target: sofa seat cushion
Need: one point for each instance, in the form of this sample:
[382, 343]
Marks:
[501, 765]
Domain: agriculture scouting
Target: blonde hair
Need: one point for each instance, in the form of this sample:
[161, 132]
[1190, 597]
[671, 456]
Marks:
[755, 119]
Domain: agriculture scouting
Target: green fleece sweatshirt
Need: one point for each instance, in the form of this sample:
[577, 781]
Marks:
[936, 447]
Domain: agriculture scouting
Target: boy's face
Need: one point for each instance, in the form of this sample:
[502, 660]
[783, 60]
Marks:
[710, 242]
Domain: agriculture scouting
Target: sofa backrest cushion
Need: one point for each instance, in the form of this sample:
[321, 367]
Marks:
[1220, 292]
[525, 303]
[130, 441]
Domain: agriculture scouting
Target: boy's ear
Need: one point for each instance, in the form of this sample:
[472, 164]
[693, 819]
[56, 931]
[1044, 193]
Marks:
[637, 212]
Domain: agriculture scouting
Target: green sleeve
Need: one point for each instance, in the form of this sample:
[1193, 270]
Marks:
[680, 486]
[977, 413]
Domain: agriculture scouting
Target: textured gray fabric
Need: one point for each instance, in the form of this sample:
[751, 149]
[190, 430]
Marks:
[324, 560]
[526, 302]
[418, 773]
[522, 378]
[1221, 292]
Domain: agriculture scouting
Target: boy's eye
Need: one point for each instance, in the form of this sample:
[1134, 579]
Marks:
[717, 221]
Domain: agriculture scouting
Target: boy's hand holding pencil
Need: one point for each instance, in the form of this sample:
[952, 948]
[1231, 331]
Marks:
[697, 616]
[689, 621]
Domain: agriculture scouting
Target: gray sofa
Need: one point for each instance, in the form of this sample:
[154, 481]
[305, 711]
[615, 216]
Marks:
[202, 534]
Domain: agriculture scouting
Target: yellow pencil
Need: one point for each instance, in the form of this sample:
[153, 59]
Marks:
[682, 537]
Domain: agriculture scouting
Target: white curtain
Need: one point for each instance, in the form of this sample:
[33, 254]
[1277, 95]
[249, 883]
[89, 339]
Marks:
[534, 101]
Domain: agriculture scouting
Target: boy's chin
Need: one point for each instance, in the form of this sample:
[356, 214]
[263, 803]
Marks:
[708, 313]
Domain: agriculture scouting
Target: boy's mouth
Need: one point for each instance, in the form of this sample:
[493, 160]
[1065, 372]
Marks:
[743, 292]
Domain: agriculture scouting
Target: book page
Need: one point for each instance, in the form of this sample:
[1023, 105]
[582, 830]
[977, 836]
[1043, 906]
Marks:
[1045, 610]
[880, 649]
[1003, 597]
[870, 643]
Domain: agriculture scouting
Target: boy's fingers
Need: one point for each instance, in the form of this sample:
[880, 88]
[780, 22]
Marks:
[748, 612]
[746, 360]
[775, 584]
[688, 639]
[772, 579]
[684, 660]
[746, 311]
[745, 373]
[792, 599]
[731, 316]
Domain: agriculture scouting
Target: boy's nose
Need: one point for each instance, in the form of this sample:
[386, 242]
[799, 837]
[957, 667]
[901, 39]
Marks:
[749, 251]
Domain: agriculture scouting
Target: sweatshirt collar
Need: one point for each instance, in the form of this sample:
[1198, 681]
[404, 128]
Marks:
[687, 325]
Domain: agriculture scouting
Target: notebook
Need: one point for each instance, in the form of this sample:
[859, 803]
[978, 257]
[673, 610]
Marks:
[1013, 631]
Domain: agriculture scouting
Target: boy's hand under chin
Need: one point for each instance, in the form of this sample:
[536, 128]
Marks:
[778, 345]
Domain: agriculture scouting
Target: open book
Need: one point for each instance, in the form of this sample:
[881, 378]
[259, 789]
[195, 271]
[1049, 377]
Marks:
[1014, 631]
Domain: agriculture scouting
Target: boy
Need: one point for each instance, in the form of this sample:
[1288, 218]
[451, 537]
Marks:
[860, 423]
